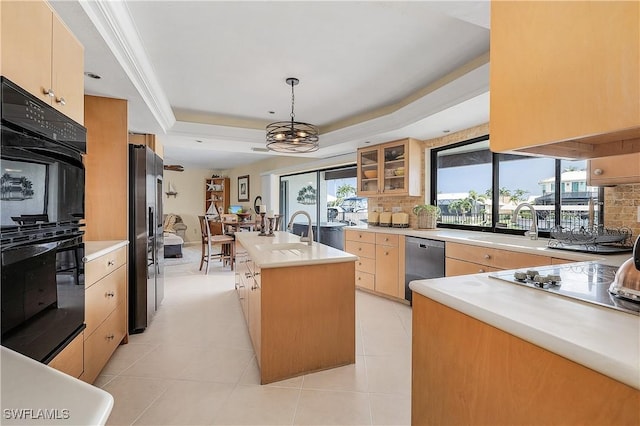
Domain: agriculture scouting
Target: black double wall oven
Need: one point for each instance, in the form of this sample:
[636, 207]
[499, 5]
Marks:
[41, 236]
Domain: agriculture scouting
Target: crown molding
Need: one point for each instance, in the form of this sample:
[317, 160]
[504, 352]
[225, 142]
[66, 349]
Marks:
[114, 23]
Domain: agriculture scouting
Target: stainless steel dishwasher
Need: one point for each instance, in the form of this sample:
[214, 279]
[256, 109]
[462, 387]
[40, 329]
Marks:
[424, 259]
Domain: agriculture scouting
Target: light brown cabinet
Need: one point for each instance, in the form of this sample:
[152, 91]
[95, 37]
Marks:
[464, 259]
[380, 267]
[392, 168]
[71, 359]
[42, 56]
[558, 87]
[618, 169]
[216, 195]
[105, 310]
[485, 376]
[106, 163]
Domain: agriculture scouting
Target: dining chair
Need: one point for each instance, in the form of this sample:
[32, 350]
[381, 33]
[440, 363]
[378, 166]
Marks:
[212, 235]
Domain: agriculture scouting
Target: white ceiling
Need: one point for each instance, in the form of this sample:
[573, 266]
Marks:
[211, 71]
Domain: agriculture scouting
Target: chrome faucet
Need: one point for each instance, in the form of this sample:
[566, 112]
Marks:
[533, 232]
[309, 238]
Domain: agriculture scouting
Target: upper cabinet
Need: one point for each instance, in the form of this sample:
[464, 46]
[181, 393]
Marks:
[41, 55]
[564, 78]
[392, 168]
[618, 169]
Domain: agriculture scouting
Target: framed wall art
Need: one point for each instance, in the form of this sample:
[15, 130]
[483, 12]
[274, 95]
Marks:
[243, 188]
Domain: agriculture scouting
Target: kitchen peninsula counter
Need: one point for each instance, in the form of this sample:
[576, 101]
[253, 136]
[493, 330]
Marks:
[298, 301]
[520, 355]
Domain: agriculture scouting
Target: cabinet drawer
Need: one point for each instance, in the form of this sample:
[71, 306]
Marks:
[104, 265]
[71, 359]
[455, 267]
[365, 280]
[469, 253]
[501, 259]
[366, 265]
[365, 237]
[387, 239]
[103, 297]
[361, 249]
[99, 347]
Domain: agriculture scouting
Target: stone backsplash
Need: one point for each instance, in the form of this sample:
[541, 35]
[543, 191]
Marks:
[621, 207]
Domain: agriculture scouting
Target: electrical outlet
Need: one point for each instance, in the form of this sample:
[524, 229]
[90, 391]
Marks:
[638, 214]
[396, 209]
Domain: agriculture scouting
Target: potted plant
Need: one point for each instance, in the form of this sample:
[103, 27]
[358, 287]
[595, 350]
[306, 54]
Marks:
[427, 215]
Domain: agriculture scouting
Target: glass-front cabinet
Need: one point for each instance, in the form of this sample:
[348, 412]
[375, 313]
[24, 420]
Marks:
[392, 168]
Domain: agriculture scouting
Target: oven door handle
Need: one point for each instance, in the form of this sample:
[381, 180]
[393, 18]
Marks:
[24, 252]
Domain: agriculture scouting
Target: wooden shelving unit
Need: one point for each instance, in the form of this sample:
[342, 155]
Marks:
[216, 195]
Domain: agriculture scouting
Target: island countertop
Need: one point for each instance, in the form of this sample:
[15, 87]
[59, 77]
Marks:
[285, 249]
[599, 338]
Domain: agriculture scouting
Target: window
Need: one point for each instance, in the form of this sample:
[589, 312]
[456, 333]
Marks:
[478, 189]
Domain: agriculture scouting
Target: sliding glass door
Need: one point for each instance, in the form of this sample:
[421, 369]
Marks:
[328, 196]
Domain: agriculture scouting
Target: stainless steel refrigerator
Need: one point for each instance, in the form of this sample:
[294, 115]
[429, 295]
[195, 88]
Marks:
[146, 259]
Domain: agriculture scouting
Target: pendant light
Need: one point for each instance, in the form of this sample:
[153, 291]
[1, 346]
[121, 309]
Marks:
[292, 136]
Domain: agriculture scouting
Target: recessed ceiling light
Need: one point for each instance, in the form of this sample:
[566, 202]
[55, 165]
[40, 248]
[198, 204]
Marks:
[92, 75]
[198, 140]
[367, 141]
[446, 131]
[271, 112]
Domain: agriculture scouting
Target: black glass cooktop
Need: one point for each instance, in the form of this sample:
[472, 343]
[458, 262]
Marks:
[585, 281]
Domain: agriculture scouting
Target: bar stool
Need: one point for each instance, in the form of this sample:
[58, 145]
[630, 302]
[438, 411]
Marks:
[212, 235]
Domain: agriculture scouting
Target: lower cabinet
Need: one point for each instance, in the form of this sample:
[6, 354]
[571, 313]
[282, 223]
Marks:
[105, 310]
[614, 170]
[71, 359]
[380, 267]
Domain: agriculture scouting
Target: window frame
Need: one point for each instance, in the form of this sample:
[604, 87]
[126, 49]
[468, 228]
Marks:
[495, 185]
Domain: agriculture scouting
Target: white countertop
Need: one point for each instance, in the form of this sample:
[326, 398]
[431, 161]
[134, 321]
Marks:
[498, 241]
[33, 393]
[95, 249]
[599, 338]
[285, 249]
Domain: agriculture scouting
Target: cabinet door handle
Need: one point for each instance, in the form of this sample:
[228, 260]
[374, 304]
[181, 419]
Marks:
[110, 337]
[480, 271]
[386, 253]
[109, 294]
[487, 256]
[598, 172]
[111, 262]
[61, 101]
[247, 275]
[257, 273]
[49, 92]
[359, 248]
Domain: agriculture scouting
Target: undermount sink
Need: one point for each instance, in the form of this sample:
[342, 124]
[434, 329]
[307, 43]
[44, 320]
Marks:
[283, 247]
[511, 240]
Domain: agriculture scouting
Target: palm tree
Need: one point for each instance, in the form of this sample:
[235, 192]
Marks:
[343, 192]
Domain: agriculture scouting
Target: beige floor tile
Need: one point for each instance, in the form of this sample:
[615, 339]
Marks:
[165, 361]
[217, 365]
[187, 403]
[132, 396]
[390, 409]
[386, 343]
[347, 378]
[102, 380]
[333, 408]
[251, 376]
[389, 374]
[258, 405]
[125, 356]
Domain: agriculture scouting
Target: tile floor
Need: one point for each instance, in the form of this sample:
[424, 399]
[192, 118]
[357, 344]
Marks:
[195, 364]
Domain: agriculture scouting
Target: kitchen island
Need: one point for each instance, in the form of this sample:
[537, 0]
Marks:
[298, 301]
[491, 352]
